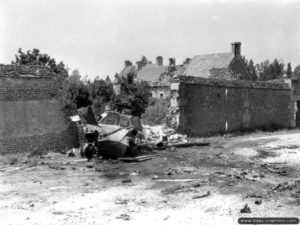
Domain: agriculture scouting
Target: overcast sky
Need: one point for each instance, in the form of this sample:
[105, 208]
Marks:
[97, 36]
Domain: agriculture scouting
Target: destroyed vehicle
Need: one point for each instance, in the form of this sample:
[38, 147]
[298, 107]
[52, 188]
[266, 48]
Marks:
[115, 135]
[109, 141]
[121, 119]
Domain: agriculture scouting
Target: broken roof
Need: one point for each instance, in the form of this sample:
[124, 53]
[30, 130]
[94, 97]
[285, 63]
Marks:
[202, 65]
[151, 72]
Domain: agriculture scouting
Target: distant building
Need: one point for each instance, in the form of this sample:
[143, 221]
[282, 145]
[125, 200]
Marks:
[228, 66]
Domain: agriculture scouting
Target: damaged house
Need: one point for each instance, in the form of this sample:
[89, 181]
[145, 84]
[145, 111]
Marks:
[228, 66]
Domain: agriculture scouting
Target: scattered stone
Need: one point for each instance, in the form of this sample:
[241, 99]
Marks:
[134, 173]
[246, 209]
[197, 185]
[59, 213]
[71, 153]
[90, 166]
[31, 205]
[126, 181]
[121, 201]
[167, 217]
[258, 202]
[172, 171]
[37, 181]
[98, 169]
[124, 217]
[57, 167]
[202, 196]
[154, 177]
[188, 169]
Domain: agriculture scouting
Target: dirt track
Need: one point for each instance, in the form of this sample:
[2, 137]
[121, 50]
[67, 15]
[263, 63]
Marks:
[196, 185]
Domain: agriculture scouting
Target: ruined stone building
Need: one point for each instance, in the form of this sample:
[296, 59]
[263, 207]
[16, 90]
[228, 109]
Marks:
[152, 73]
[226, 66]
[206, 106]
[31, 116]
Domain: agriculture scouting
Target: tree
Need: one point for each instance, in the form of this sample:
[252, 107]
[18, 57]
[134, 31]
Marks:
[101, 93]
[251, 70]
[75, 93]
[270, 71]
[133, 95]
[297, 71]
[289, 70]
[187, 60]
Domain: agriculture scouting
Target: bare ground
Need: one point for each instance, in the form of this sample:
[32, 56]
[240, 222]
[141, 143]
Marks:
[196, 185]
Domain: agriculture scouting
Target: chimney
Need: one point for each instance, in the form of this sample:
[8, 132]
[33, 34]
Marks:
[138, 65]
[236, 48]
[159, 60]
[127, 63]
[172, 62]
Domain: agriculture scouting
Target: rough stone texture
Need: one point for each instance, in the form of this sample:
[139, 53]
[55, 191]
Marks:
[31, 117]
[160, 91]
[202, 107]
[24, 71]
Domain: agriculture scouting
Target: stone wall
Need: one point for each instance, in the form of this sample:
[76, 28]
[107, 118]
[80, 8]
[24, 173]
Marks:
[31, 117]
[160, 91]
[203, 107]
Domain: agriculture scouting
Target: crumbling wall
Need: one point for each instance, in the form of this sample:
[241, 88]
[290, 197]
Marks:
[202, 107]
[31, 117]
[160, 91]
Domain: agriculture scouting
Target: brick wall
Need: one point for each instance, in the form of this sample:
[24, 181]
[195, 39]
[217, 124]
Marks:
[203, 107]
[31, 117]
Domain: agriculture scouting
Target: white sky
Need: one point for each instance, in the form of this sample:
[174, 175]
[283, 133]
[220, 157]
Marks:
[97, 36]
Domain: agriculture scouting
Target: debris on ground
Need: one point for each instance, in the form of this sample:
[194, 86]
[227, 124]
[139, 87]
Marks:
[258, 202]
[202, 196]
[154, 177]
[121, 201]
[163, 137]
[71, 152]
[126, 181]
[173, 171]
[57, 167]
[124, 217]
[286, 186]
[137, 158]
[280, 171]
[246, 209]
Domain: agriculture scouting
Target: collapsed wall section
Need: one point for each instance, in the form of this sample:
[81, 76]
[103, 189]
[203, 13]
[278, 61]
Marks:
[203, 107]
[31, 117]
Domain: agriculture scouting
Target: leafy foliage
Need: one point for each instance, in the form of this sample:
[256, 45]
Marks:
[270, 71]
[102, 93]
[74, 93]
[133, 95]
[289, 71]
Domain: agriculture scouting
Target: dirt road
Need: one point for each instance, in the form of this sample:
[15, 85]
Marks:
[196, 185]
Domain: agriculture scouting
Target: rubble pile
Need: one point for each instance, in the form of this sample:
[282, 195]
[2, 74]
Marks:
[156, 134]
